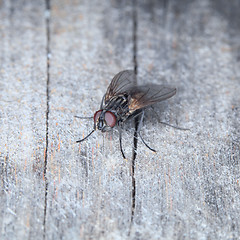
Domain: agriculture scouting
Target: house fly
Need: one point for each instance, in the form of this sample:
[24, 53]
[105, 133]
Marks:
[123, 100]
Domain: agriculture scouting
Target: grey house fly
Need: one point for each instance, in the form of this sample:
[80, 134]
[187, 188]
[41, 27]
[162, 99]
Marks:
[124, 100]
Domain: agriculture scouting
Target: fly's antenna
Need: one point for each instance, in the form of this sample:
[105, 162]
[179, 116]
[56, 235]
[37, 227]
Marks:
[81, 140]
[83, 117]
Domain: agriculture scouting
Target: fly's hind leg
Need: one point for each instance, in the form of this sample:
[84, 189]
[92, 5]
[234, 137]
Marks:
[138, 132]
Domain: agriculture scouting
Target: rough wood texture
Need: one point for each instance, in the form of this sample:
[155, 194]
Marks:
[89, 185]
[57, 58]
[22, 118]
[190, 188]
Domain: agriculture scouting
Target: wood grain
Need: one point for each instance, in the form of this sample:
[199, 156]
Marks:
[189, 189]
[89, 184]
[57, 59]
[22, 119]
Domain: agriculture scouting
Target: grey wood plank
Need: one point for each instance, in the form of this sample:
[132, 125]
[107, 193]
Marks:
[89, 184]
[22, 118]
[189, 189]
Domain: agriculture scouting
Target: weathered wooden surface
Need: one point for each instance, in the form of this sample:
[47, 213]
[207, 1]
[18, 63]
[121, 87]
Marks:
[89, 185]
[189, 189]
[22, 118]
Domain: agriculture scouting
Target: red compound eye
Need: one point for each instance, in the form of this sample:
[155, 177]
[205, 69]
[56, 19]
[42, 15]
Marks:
[110, 119]
[97, 115]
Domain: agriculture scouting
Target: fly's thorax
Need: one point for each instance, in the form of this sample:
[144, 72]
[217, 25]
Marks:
[116, 101]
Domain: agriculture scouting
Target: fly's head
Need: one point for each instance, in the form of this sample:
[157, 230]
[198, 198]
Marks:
[104, 120]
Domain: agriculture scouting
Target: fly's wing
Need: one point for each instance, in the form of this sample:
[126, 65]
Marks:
[143, 96]
[121, 83]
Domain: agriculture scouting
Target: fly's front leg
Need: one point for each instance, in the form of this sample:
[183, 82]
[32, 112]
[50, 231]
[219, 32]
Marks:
[83, 117]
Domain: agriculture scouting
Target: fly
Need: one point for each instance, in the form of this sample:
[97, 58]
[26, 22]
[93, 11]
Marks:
[124, 100]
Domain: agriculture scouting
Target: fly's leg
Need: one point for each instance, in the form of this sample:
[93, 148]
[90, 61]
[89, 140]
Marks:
[138, 132]
[83, 117]
[120, 140]
[146, 143]
[101, 106]
[164, 123]
[176, 127]
[81, 140]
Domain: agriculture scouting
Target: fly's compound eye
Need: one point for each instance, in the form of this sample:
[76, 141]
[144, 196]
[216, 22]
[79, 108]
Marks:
[110, 119]
[97, 115]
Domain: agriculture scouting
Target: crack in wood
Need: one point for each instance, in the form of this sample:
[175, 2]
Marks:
[47, 17]
[136, 123]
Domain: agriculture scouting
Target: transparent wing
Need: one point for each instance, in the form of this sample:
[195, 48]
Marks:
[121, 83]
[143, 96]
